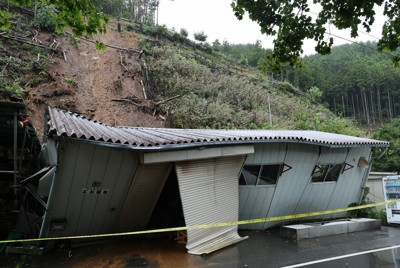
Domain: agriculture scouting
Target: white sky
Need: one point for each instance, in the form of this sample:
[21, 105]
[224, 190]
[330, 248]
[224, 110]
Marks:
[217, 20]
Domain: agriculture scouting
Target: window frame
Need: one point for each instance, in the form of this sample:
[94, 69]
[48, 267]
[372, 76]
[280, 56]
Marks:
[281, 169]
[327, 168]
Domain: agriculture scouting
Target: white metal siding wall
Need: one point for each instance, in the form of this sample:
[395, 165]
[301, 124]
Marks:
[80, 165]
[349, 188]
[209, 194]
[254, 201]
[302, 159]
[316, 196]
[143, 196]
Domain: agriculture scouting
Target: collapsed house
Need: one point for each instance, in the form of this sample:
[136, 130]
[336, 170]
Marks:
[101, 179]
[19, 151]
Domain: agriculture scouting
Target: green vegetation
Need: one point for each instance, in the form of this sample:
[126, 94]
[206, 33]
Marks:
[370, 212]
[82, 16]
[214, 98]
[46, 16]
[390, 161]
[18, 64]
[356, 81]
[70, 80]
[290, 22]
[200, 36]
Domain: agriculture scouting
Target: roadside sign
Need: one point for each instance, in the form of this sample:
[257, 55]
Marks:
[391, 191]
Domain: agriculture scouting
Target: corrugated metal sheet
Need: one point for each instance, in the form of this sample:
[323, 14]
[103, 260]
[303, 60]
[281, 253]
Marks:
[62, 123]
[349, 187]
[209, 194]
[294, 193]
[142, 197]
[291, 184]
[255, 201]
[317, 196]
[88, 189]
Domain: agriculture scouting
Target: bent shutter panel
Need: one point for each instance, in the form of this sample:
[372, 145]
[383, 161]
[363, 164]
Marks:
[209, 191]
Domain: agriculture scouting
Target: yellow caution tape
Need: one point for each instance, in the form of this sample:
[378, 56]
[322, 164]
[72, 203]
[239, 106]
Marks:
[205, 226]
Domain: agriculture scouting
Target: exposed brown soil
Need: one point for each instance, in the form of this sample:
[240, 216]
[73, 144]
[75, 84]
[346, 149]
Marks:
[90, 79]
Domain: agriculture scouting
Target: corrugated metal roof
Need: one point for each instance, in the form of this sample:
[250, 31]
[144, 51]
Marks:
[66, 124]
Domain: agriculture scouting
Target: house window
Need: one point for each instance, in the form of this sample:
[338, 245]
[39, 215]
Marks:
[326, 172]
[260, 174]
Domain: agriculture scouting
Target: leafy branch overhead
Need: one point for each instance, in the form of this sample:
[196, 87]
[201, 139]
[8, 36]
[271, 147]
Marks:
[291, 22]
[82, 16]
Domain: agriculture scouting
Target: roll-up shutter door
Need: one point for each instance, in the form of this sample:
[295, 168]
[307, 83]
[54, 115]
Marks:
[209, 191]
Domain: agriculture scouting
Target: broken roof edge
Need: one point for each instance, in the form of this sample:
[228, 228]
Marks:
[62, 124]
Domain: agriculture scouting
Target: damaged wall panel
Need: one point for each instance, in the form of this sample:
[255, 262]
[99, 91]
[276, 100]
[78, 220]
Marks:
[210, 194]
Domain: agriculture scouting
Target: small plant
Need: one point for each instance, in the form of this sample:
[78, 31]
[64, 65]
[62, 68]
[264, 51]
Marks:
[143, 44]
[183, 32]
[46, 18]
[315, 93]
[200, 36]
[369, 212]
[70, 80]
[15, 88]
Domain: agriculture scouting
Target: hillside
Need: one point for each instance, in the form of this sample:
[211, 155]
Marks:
[149, 76]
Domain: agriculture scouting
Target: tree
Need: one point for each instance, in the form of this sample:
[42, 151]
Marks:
[292, 22]
[390, 161]
[82, 16]
[200, 36]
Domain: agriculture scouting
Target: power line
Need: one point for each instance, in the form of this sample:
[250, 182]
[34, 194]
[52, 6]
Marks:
[360, 44]
[354, 42]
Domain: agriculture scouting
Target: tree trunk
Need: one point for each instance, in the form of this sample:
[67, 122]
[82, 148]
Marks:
[379, 106]
[358, 108]
[372, 109]
[344, 110]
[366, 108]
[389, 106]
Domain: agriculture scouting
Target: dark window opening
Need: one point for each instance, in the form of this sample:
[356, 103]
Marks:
[260, 174]
[326, 172]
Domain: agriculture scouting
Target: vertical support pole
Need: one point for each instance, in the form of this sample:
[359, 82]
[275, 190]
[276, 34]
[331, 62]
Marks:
[22, 149]
[15, 152]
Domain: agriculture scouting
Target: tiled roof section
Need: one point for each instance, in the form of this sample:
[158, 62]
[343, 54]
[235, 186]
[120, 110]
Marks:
[67, 124]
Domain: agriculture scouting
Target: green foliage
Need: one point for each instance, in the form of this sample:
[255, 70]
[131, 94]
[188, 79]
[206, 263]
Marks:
[4, 23]
[70, 80]
[134, 10]
[315, 93]
[370, 212]
[100, 45]
[200, 36]
[390, 161]
[319, 121]
[291, 22]
[46, 17]
[254, 53]
[358, 74]
[82, 16]
[183, 32]
[30, 60]
[212, 99]
[216, 45]
[15, 88]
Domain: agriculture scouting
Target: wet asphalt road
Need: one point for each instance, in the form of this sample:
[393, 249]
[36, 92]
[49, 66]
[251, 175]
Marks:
[261, 249]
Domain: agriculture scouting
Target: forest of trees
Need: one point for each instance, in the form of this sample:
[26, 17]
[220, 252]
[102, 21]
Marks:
[143, 11]
[246, 54]
[356, 81]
